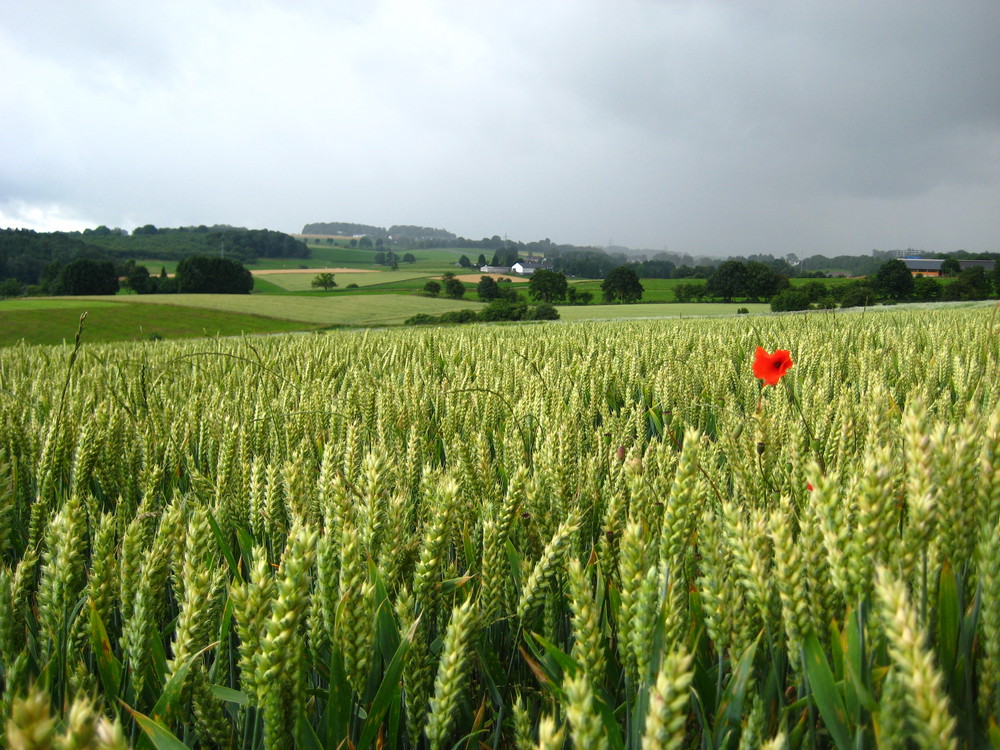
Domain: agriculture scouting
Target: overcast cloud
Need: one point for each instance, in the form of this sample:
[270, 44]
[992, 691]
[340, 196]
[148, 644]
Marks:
[701, 127]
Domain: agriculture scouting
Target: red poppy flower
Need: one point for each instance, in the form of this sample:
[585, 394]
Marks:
[770, 367]
[809, 486]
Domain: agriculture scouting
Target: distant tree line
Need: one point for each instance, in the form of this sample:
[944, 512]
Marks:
[245, 245]
[892, 282]
[401, 233]
[35, 259]
[497, 311]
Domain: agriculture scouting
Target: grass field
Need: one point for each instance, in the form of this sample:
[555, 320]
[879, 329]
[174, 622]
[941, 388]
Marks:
[300, 282]
[55, 321]
[332, 310]
[429, 259]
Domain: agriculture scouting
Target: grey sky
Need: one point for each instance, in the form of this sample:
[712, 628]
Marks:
[701, 127]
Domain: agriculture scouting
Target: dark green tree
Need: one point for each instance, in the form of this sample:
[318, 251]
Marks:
[454, 288]
[380, 259]
[926, 289]
[487, 288]
[894, 280]
[138, 280]
[950, 267]
[49, 279]
[202, 274]
[409, 258]
[728, 280]
[547, 286]
[11, 288]
[325, 281]
[481, 260]
[860, 295]
[816, 290]
[688, 291]
[544, 311]
[433, 288]
[789, 300]
[762, 281]
[972, 284]
[87, 276]
[622, 285]
[464, 262]
[504, 309]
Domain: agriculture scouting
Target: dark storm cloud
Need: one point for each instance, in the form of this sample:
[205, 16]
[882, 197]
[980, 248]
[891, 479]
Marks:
[709, 127]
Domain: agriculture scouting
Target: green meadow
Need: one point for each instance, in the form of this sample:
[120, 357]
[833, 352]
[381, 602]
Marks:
[300, 282]
[38, 321]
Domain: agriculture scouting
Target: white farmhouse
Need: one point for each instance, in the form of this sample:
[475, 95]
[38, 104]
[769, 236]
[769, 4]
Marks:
[524, 268]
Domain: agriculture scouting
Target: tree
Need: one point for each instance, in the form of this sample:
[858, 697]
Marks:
[950, 267]
[622, 285]
[202, 274]
[547, 286]
[687, 292]
[926, 289]
[816, 290]
[454, 288]
[138, 280]
[379, 259]
[504, 309]
[481, 260]
[860, 295]
[728, 280]
[762, 281]
[544, 311]
[324, 281]
[409, 258]
[87, 276]
[487, 288]
[972, 284]
[432, 288]
[506, 290]
[464, 262]
[789, 300]
[11, 288]
[894, 280]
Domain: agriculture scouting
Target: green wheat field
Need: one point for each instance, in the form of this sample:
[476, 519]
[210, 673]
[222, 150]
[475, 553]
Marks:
[586, 534]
